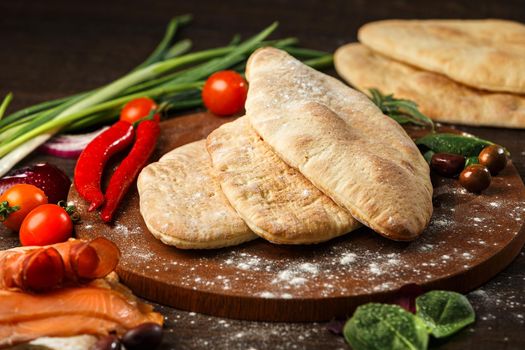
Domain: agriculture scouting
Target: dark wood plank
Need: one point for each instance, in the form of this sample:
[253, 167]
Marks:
[54, 48]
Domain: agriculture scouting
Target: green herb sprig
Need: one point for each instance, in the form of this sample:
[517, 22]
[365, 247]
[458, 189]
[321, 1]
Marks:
[401, 110]
[406, 112]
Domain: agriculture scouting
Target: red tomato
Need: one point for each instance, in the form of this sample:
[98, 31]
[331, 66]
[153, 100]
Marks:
[46, 224]
[137, 109]
[224, 93]
[22, 196]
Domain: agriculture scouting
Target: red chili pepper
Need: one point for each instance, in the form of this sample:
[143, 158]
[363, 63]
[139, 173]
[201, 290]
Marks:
[90, 165]
[147, 134]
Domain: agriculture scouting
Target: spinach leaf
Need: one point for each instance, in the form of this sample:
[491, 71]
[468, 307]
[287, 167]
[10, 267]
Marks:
[467, 146]
[444, 312]
[385, 326]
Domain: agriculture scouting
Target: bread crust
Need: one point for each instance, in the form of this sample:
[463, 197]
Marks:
[341, 142]
[486, 54]
[276, 201]
[437, 96]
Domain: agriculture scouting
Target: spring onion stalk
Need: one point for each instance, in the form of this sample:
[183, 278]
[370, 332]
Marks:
[14, 124]
[53, 125]
[171, 29]
[40, 118]
[178, 49]
[158, 54]
[306, 53]
[203, 56]
[170, 75]
[5, 103]
[10, 160]
[104, 117]
[217, 65]
[320, 62]
[11, 131]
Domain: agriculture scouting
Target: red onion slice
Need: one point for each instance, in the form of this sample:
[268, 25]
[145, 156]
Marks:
[69, 146]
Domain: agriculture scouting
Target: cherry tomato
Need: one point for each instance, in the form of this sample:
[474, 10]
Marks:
[224, 93]
[17, 202]
[46, 224]
[137, 109]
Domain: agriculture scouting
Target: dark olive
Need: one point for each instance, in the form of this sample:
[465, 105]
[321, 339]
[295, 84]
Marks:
[494, 158]
[145, 336]
[475, 178]
[447, 164]
[109, 342]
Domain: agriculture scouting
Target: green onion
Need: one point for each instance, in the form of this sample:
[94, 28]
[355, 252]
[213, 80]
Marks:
[159, 52]
[170, 75]
[178, 49]
[5, 103]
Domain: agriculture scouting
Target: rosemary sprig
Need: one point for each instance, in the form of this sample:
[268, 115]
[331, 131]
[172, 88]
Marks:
[402, 111]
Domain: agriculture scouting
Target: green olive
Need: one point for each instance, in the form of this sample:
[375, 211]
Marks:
[475, 178]
[494, 158]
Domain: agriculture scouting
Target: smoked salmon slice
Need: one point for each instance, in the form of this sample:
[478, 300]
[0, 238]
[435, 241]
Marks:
[39, 269]
[98, 308]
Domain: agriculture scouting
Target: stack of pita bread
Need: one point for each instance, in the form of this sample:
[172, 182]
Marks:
[458, 71]
[312, 160]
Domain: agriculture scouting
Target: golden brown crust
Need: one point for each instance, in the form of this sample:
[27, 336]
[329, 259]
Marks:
[340, 141]
[436, 95]
[275, 200]
[485, 54]
[183, 205]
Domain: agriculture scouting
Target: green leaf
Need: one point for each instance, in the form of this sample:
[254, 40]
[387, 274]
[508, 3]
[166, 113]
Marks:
[466, 146]
[385, 326]
[444, 312]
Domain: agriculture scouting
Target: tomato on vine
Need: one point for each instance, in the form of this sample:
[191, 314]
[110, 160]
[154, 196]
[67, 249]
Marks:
[17, 202]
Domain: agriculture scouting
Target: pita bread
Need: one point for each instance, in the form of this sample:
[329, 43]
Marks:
[436, 95]
[274, 200]
[183, 205]
[484, 54]
[340, 141]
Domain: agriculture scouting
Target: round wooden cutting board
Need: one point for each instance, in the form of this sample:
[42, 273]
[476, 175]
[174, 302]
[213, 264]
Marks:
[470, 239]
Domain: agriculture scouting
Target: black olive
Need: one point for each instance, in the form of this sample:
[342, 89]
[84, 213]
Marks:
[145, 336]
[109, 342]
[475, 178]
[447, 164]
[494, 158]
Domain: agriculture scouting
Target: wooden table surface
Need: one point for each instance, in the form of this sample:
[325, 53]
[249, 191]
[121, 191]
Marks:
[55, 48]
